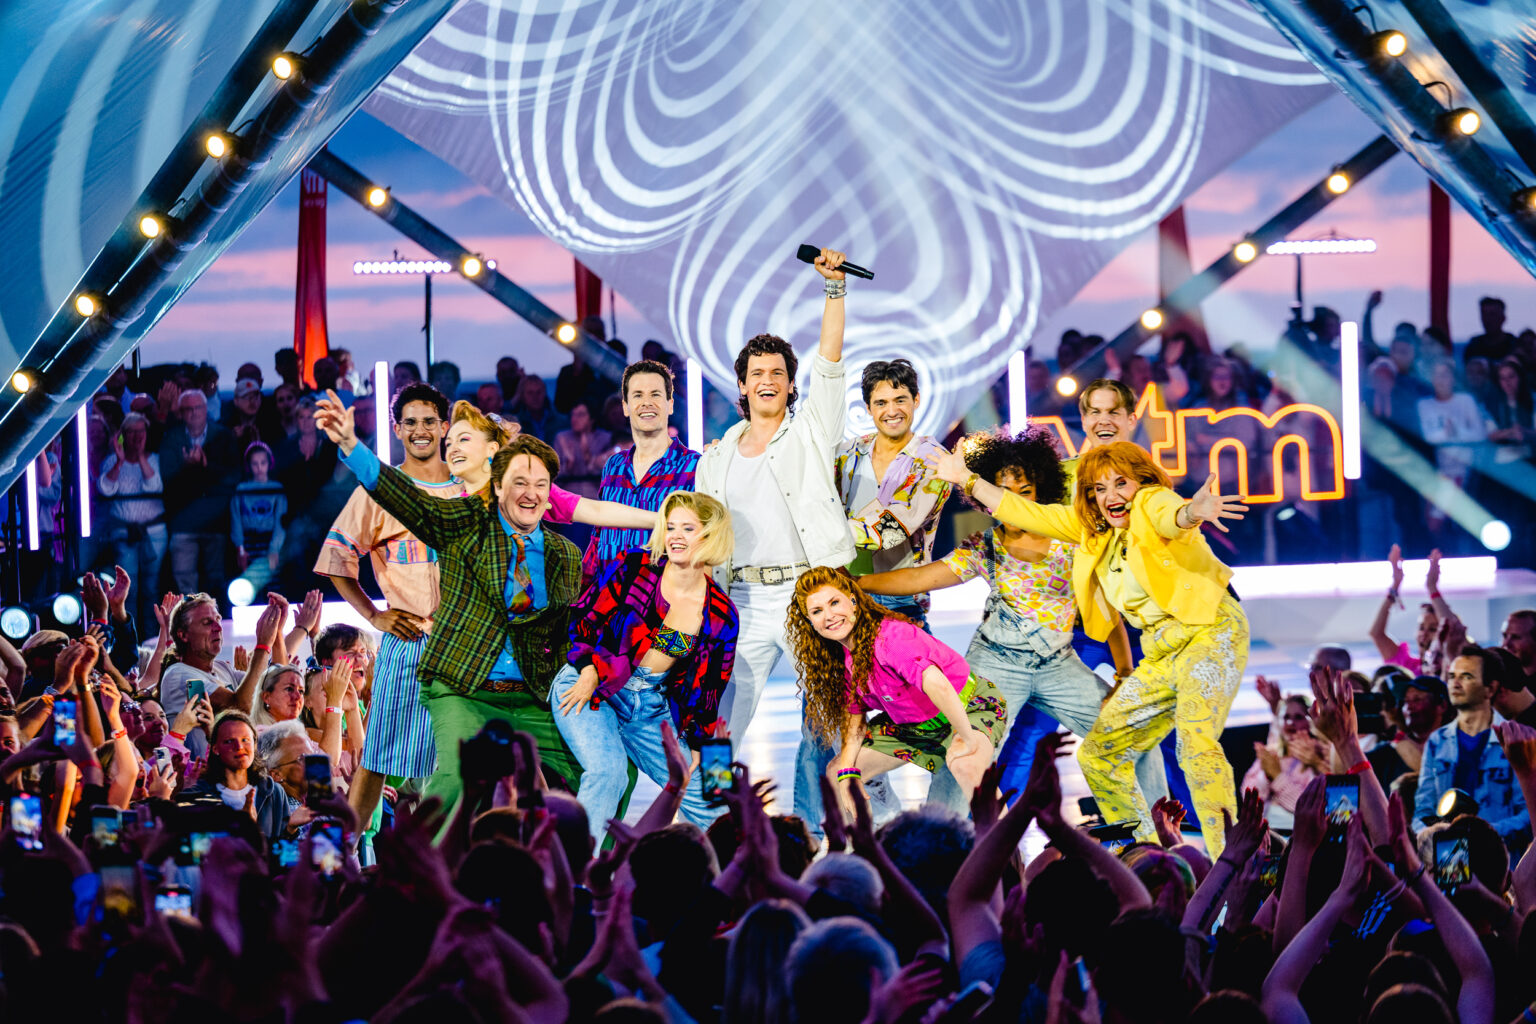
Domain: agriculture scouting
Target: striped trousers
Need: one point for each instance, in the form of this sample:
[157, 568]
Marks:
[399, 740]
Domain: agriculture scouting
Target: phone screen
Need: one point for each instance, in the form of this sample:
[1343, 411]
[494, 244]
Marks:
[1341, 801]
[174, 901]
[64, 722]
[1269, 870]
[285, 852]
[120, 892]
[195, 845]
[715, 767]
[317, 778]
[27, 821]
[106, 825]
[328, 847]
[162, 757]
[1453, 862]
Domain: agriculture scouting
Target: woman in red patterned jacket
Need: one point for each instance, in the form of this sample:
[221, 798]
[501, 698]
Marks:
[652, 642]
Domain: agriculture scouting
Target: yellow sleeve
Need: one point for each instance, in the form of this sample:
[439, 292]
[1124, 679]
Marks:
[1162, 505]
[1058, 521]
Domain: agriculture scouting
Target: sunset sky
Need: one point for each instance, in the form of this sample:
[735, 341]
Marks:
[243, 306]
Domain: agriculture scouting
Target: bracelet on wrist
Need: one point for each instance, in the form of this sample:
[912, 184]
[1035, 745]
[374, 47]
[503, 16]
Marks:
[836, 289]
[263, 647]
[332, 710]
[844, 774]
[1434, 594]
[1359, 769]
[672, 788]
[179, 737]
[119, 733]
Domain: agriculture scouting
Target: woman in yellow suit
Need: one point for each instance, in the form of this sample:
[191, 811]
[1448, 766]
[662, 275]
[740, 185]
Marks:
[1141, 555]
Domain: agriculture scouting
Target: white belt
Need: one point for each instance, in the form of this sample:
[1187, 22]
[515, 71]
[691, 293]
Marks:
[768, 574]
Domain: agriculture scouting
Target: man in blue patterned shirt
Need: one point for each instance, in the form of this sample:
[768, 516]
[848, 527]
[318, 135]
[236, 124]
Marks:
[641, 476]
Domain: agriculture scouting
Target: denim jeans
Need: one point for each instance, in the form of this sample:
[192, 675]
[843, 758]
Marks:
[1044, 682]
[624, 727]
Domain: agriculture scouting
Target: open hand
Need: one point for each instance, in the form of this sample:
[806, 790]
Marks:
[1168, 818]
[1209, 507]
[336, 421]
[1333, 706]
[575, 699]
[1270, 691]
[951, 467]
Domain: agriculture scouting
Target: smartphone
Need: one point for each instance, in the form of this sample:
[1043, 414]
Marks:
[1368, 713]
[196, 688]
[27, 821]
[173, 901]
[285, 853]
[317, 779]
[195, 844]
[328, 847]
[1341, 802]
[969, 1004]
[64, 722]
[162, 757]
[1269, 870]
[718, 777]
[106, 825]
[120, 892]
[1453, 862]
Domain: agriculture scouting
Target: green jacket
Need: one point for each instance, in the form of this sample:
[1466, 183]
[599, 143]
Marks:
[472, 621]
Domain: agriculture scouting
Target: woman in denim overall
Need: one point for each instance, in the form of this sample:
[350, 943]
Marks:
[1024, 641]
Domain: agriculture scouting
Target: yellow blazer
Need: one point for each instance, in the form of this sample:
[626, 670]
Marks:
[1175, 566]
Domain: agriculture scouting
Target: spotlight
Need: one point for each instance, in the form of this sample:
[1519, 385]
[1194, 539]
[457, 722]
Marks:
[1524, 201]
[21, 381]
[87, 304]
[565, 333]
[1066, 386]
[285, 66]
[1245, 251]
[471, 266]
[1495, 535]
[1461, 121]
[378, 196]
[1455, 802]
[241, 591]
[67, 609]
[1338, 183]
[1152, 319]
[150, 226]
[1390, 43]
[218, 144]
[15, 623]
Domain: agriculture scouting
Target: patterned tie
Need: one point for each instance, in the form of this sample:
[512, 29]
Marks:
[522, 599]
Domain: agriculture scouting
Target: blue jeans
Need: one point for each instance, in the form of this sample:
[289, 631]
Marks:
[1044, 683]
[624, 727]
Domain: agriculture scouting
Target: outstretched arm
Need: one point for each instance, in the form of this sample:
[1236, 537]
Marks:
[832, 315]
[594, 512]
[919, 579]
[1058, 521]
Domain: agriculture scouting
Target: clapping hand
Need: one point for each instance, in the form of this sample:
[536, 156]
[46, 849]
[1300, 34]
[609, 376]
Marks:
[1244, 836]
[1395, 557]
[1270, 691]
[1168, 818]
[1333, 706]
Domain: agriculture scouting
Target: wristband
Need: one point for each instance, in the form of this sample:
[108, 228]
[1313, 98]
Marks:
[1434, 595]
[1359, 769]
[333, 710]
[264, 647]
[1392, 594]
[849, 773]
[97, 622]
[177, 736]
[970, 484]
[119, 734]
[836, 289]
[672, 788]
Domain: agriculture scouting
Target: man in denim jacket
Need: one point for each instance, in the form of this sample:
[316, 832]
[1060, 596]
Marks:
[1466, 755]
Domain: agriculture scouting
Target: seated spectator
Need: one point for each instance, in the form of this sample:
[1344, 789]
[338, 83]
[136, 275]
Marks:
[1423, 708]
[197, 463]
[327, 374]
[583, 449]
[1511, 414]
[286, 362]
[509, 375]
[237, 778]
[402, 374]
[445, 377]
[1282, 770]
[256, 515]
[130, 484]
[1494, 343]
[489, 399]
[285, 415]
[534, 412]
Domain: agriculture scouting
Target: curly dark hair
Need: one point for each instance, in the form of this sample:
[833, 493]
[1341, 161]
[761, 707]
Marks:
[418, 392]
[767, 345]
[1033, 452]
[824, 681]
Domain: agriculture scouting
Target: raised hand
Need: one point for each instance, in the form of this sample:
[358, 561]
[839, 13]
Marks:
[1042, 793]
[951, 467]
[307, 617]
[94, 597]
[1333, 706]
[1311, 820]
[1395, 558]
[827, 263]
[164, 610]
[986, 802]
[117, 596]
[336, 421]
[1168, 818]
[833, 823]
[1270, 691]
[337, 679]
[1244, 836]
[1209, 507]
[242, 659]
[1519, 742]
[1432, 577]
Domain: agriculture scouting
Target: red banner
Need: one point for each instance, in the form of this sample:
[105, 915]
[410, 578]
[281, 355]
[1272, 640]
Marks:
[589, 293]
[309, 333]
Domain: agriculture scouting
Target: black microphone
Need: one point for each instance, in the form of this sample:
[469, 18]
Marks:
[808, 254]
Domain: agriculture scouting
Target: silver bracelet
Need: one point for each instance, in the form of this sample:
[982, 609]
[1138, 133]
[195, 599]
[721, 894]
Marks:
[836, 289]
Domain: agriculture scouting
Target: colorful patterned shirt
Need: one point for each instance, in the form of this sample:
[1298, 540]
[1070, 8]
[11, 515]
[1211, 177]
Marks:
[672, 472]
[615, 623]
[1036, 590]
[897, 528]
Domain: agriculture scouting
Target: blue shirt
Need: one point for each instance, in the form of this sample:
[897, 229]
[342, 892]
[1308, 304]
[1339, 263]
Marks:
[533, 558]
[674, 471]
[364, 464]
[1469, 760]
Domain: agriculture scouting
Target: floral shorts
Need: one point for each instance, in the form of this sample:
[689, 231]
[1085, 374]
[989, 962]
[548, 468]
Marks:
[925, 743]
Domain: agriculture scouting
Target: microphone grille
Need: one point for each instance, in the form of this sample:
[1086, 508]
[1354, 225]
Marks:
[807, 254]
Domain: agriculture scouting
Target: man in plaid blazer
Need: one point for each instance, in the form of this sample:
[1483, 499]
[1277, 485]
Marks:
[501, 630]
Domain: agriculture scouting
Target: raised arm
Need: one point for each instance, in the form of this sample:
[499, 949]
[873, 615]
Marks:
[832, 315]
[919, 579]
[1171, 515]
[1058, 521]
[1385, 645]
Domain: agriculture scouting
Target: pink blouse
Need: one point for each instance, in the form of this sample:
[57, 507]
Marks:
[895, 686]
[562, 505]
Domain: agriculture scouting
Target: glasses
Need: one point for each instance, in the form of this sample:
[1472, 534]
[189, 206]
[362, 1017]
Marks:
[285, 764]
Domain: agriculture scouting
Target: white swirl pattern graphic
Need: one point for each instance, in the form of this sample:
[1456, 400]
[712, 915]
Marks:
[984, 158]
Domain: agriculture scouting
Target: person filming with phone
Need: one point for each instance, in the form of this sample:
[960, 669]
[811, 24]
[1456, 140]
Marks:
[654, 643]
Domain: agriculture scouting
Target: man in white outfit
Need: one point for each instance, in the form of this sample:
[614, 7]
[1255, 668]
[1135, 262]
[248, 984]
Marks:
[773, 471]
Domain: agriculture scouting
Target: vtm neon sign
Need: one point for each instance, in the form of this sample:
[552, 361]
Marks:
[1321, 474]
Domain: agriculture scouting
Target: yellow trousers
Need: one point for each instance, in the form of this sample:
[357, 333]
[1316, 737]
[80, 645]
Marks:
[1187, 679]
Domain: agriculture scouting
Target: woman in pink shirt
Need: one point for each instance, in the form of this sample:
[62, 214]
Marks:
[856, 656]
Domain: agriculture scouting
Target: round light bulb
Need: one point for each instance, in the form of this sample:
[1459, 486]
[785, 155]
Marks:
[150, 226]
[1152, 319]
[85, 305]
[565, 333]
[1066, 387]
[1394, 44]
[377, 196]
[1245, 252]
[216, 145]
[1338, 183]
[21, 381]
[471, 266]
[1468, 121]
[1495, 535]
[241, 591]
[282, 66]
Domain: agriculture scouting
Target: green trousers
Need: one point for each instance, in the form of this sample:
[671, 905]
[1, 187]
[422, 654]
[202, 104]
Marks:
[457, 717]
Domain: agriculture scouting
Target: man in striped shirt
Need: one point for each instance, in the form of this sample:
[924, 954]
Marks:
[641, 476]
